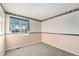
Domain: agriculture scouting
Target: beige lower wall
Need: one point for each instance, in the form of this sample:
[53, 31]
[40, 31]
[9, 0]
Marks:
[15, 41]
[65, 42]
[2, 45]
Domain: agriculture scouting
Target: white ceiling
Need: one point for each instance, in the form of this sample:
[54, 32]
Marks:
[39, 10]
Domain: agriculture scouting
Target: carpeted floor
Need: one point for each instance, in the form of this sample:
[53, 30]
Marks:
[38, 49]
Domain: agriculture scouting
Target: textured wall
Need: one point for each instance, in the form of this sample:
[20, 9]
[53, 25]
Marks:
[68, 24]
[2, 31]
[17, 40]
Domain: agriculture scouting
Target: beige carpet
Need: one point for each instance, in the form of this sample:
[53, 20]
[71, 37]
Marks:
[38, 49]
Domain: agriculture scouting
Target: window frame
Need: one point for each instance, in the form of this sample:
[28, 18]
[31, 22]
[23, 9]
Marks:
[20, 29]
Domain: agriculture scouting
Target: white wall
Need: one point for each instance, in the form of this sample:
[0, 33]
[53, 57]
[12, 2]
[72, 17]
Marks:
[65, 24]
[35, 26]
[18, 40]
[2, 31]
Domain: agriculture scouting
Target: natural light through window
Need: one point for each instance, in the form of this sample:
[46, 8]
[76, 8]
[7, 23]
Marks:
[19, 25]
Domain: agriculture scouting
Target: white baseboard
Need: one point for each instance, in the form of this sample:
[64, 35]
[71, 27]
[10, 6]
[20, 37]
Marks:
[61, 48]
[2, 52]
[22, 46]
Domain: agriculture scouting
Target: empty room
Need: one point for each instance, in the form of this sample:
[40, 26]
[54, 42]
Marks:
[39, 29]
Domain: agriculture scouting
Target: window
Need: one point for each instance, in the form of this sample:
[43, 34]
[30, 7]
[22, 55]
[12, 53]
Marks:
[19, 25]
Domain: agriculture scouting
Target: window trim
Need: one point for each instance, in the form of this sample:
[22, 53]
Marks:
[19, 19]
